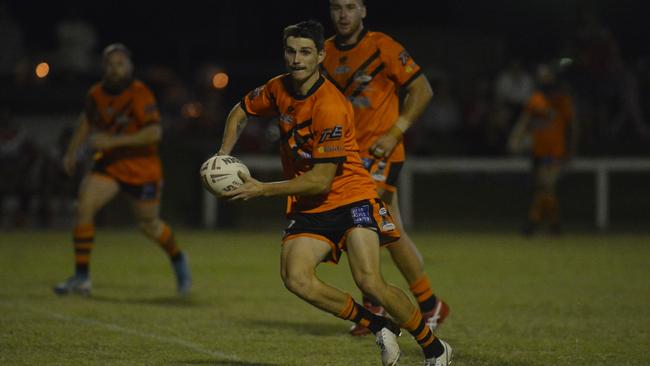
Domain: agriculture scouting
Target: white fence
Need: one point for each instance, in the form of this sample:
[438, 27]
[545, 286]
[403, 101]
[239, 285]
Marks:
[601, 168]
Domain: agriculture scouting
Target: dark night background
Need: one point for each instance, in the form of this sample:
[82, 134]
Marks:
[463, 46]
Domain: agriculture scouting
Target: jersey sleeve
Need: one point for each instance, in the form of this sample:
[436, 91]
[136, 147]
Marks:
[330, 127]
[401, 68]
[145, 108]
[260, 102]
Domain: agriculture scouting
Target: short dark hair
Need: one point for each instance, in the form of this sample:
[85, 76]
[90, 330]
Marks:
[311, 29]
[116, 47]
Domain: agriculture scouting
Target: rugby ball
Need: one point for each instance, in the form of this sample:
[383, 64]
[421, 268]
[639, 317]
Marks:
[219, 174]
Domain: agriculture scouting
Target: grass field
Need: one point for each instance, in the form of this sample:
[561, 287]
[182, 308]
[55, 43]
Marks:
[576, 300]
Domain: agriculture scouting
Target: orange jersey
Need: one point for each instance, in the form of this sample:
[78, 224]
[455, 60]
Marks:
[550, 118]
[126, 112]
[316, 128]
[370, 74]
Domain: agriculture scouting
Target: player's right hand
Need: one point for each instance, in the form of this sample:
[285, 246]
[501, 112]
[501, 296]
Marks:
[69, 164]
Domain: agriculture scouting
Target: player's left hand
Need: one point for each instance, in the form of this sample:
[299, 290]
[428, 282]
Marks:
[250, 189]
[384, 146]
[101, 141]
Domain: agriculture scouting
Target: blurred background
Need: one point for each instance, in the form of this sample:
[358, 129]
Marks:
[201, 57]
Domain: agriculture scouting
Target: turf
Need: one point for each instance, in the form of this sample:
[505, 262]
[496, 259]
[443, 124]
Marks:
[574, 300]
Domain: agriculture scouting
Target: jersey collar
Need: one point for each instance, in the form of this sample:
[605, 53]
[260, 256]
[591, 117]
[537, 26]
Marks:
[342, 47]
[289, 86]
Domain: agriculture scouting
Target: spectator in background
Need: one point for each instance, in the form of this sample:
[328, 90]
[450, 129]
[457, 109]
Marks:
[608, 86]
[440, 123]
[18, 162]
[512, 89]
[76, 40]
[478, 114]
[549, 120]
[11, 39]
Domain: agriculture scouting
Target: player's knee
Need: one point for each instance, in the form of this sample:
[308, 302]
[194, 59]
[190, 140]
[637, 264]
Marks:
[297, 282]
[149, 226]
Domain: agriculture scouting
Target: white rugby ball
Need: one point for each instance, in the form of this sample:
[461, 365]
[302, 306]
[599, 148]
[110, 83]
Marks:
[219, 174]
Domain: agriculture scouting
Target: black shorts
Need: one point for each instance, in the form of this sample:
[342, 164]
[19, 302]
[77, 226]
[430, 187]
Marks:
[333, 226]
[150, 191]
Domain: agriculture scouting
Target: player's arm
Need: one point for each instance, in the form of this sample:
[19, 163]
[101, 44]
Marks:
[235, 124]
[318, 180]
[146, 136]
[518, 133]
[418, 95]
[78, 137]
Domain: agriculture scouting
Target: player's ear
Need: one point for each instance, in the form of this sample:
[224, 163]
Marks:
[363, 10]
[321, 55]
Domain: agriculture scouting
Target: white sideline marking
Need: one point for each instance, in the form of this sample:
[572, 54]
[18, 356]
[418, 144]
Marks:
[120, 329]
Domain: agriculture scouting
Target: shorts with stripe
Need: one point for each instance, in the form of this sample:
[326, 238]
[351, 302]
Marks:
[333, 226]
[149, 191]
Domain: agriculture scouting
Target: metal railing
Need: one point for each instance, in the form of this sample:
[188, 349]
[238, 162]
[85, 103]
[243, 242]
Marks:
[600, 167]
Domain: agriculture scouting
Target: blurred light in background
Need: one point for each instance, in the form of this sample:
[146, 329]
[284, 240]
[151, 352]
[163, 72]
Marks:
[42, 70]
[565, 61]
[192, 110]
[220, 80]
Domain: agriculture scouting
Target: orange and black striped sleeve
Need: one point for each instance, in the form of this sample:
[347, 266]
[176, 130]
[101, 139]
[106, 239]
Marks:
[145, 107]
[260, 102]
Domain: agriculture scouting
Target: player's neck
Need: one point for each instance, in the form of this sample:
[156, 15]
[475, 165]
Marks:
[351, 39]
[303, 87]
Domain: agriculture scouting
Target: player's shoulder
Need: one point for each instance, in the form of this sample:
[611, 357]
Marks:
[330, 43]
[330, 99]
[139, 87]
[382, 39]
[95, 89]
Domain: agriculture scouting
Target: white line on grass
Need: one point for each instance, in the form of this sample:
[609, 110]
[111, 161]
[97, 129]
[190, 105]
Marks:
[120, 329]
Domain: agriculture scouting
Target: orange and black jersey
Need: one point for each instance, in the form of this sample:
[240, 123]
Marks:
[370, 74]
[316, 128]
[551, 115]
[125, 111]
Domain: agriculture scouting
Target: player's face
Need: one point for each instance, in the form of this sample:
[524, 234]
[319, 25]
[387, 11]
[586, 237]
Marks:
[117, 67]
[347, 15]
[302, 58]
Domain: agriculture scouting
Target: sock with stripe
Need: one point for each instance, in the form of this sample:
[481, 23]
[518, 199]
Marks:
[431, 345]
[421, 289]
[355, 312]
[167, 242]
[84, 240]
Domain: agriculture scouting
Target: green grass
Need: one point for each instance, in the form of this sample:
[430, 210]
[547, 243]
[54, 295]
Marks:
[576, 300]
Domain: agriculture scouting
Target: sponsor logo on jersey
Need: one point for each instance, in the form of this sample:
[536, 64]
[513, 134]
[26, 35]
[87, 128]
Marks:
[404, 57]
[331, 134]
[360, 101]
[361, 77]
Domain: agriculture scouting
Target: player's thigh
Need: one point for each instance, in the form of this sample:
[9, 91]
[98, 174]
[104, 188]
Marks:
[363, 253]
[301, 254]
[96, 191]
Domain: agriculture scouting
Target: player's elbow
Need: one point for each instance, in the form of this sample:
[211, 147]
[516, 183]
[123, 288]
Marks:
[323, 186]
[154, 134]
